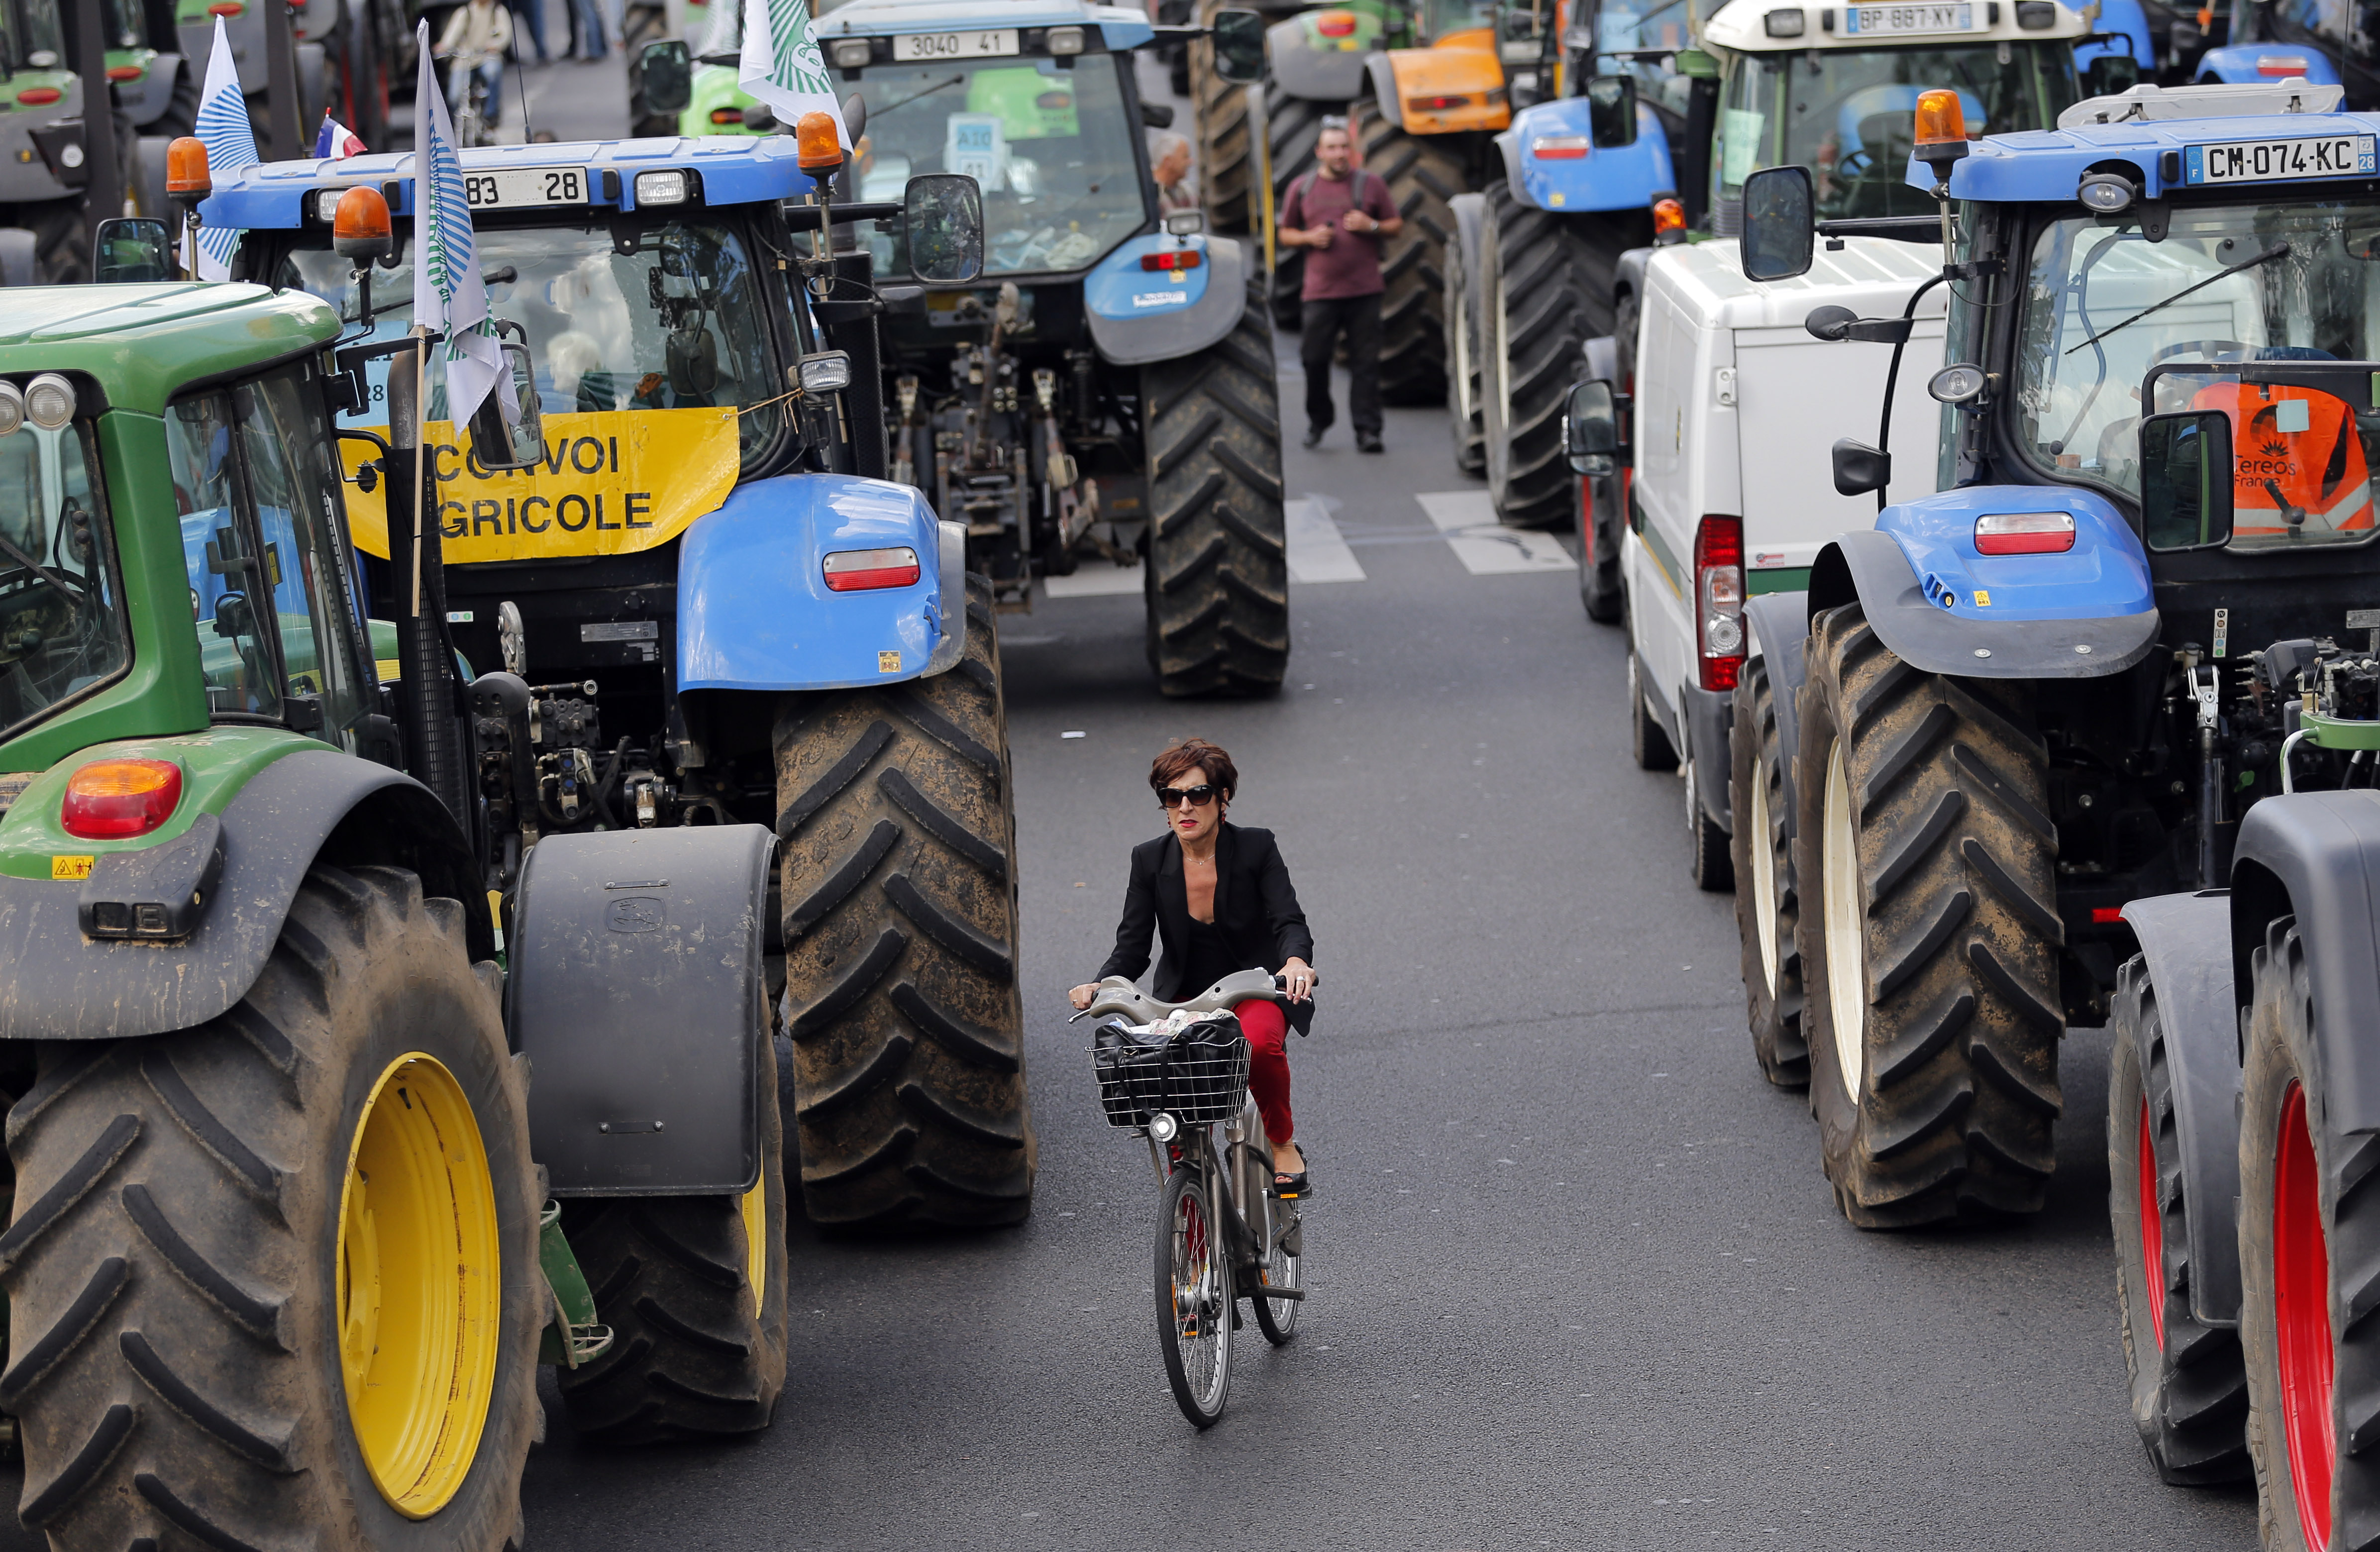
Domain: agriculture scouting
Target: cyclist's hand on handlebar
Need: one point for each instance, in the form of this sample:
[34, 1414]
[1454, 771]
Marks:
[1297, 978]
[1081, 996]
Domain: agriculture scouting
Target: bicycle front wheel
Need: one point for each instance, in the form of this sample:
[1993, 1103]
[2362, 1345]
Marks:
[1193, 1299]
[1277, 1317]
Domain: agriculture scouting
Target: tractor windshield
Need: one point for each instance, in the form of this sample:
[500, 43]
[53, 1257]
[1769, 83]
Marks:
[2279, 282]
[61, 615]
[674, 321]
[1847, 115]
[1059, 162]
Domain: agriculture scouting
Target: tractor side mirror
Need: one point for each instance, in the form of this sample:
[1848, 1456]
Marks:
[2186, 480]
[233, 619]
[1239, 39]
[1781, 227]
[499, 447]
[1860, 468]
[666, 70]
[2109, 74]
[128, 249]
[1591, 428]
[942, 214]
[1611, 111]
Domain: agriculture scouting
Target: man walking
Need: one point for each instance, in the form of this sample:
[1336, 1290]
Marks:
[1340, 213]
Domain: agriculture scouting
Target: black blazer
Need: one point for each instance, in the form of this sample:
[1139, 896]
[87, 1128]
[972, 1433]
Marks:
[1255, 906]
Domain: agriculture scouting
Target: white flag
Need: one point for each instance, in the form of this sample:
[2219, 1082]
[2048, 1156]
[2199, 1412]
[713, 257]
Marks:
[448, 294]
[231, 145]
[780, 65]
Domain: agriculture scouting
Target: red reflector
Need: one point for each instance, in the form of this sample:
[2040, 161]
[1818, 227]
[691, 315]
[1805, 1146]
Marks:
[727, 116]
[859, 571]
[1336, 24]
[124, 72]
[1175, 259]
[115, 799]
[38, 96]
[2102, 916]
[2024, 533]
[2280, 65]
[1560, 148]
[225, 9]
[1435, 105]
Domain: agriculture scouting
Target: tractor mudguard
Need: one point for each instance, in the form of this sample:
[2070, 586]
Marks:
[1596, 177]
[1945, 609]
[2186, 940]
[1777, 627]
[1140, 315]
[64, 986]
[154, 93]
[1602, 356]
[753, 608]
[1470, 77]
[2235, 64]
[2316, 856]
[1383, 77]
[1306, 62]
[636, 990]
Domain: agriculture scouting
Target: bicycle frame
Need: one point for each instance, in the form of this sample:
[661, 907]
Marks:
[1248, 1237]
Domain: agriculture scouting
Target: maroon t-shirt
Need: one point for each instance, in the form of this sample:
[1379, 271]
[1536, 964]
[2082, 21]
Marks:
[1351, 265]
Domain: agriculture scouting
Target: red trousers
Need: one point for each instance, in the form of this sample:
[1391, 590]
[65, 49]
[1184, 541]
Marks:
[1267, 1031]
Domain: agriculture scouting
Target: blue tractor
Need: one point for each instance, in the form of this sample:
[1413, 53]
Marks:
[702, 604]
[2035, 751]
[1105, 395]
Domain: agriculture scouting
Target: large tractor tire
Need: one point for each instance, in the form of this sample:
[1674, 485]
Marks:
[1292, 127]
[1766, 907]
[1929, 955]
[1422, 173]
[1466, 352]
[273, 1281]
[899, 883]
[2188, 1382]
[1217, 578]
[2309, 1234]
[1226, 150]
[694, 1290]
[181, 114]
[1548, 285]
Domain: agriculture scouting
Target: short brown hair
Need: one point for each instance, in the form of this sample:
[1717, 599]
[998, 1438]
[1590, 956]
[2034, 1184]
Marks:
[1193, 754]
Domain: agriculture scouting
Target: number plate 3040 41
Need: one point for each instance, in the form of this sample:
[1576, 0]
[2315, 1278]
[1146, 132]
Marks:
[514, 187]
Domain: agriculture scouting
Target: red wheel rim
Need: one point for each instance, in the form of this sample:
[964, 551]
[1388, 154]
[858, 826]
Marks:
[2302, 1318]
[2152, 1225]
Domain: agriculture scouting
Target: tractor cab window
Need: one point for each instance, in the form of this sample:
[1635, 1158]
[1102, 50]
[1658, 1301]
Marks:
[61, 614]
[1444, 16]
[1848, 114]
[2281, 281]
[1633, 27]
[270, 594]
[31, 37]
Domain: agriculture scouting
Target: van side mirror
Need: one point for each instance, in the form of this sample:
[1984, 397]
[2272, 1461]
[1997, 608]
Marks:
[1591, 428]
[1779, 224]
[1239, 39]
[1611, 111]
[942, 215]
[2109, 74]
[665, 70]
[2186, 480]
[521, 445]
[128, 249]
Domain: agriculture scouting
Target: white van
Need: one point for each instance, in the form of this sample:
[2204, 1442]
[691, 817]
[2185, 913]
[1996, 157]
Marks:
[1737, 409]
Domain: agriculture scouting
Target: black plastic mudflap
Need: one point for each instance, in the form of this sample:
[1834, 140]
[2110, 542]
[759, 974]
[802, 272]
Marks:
[636, 988]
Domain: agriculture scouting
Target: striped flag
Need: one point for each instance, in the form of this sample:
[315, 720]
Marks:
[336, 142]
[781, 63]
[448, 294]
[231, 145]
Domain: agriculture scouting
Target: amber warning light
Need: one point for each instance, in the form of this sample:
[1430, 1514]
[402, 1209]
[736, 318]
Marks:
[360, 228]
[1941, 130]
[186, 169]
[821, 150]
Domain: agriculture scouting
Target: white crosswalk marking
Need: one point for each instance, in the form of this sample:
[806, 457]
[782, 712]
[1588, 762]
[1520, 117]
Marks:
[1316, 553]
[1094, 578]
[1485, 547]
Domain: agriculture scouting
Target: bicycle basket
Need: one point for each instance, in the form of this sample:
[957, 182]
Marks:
[1198, 1075]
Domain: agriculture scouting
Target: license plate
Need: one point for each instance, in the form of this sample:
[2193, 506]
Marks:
[515, 187]
[1866, 21]
[955, 46]
[2272, 161]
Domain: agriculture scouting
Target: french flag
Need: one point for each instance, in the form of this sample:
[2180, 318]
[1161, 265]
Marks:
[336, 142]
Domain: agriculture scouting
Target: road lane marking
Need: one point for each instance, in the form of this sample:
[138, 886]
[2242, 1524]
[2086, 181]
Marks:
[1094, 577]
[1485, 547]
[1317, 552]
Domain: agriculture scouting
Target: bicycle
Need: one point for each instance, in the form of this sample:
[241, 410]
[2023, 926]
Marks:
[1171, 1075]
[471, 114]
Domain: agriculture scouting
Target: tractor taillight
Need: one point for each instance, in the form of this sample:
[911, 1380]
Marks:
[1560, 148]
[1718, 599]
[859, 571]
[2024, 533]
[727, 116]
[1172, 259]
[1335, 24]
[117, 799]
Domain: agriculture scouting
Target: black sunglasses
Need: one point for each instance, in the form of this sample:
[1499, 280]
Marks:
[1198, 796]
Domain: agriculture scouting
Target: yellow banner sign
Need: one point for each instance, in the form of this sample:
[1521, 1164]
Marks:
[610, 484]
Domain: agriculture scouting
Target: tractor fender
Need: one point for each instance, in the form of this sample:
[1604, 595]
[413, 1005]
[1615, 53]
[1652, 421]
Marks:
[154, 93]
[2236, 64]
[1944, 608]
[1627, 177]
[636, 988]
[314, 803]
[1449, 71]
[1777, 630]
[2316, 856]
[1306, 64]
[753, 608]
[1383, 74]
[2186, 956]
[1139, 315]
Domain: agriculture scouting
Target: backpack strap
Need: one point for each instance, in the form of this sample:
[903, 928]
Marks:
[1298, 188]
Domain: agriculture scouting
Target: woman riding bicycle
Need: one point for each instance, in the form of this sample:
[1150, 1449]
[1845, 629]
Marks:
[1221, 902]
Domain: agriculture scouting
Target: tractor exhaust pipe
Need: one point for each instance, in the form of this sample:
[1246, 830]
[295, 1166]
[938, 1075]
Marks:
[426, 659]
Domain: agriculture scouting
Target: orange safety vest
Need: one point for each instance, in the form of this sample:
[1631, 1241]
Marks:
[2288, 461]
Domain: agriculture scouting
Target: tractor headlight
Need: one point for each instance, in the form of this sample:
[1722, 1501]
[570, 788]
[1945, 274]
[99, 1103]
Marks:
[49, 401]
[2036, 16]
[1063, 40]
[1784, 23]
[662, 189]
[851, 53]
[12, 408]
[829, 372]
[2107, 193]
[1958, 384]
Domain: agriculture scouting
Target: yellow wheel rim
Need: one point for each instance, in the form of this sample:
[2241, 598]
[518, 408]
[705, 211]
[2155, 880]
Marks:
[756, 1242]
[421, 1284]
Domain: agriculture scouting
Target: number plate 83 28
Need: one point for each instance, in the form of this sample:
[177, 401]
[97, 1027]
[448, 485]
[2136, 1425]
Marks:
[518, 186]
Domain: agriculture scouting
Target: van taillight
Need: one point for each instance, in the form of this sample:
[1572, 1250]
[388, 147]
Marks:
[1718, 600]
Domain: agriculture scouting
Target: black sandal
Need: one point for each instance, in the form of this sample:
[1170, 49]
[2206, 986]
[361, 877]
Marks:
[1288, 1187]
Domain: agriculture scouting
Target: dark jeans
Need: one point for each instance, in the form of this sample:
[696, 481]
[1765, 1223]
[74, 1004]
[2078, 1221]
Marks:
[530, 15]
[1359, 317]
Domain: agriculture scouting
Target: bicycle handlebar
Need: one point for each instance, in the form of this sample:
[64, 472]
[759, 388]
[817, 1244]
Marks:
[1117, 995]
